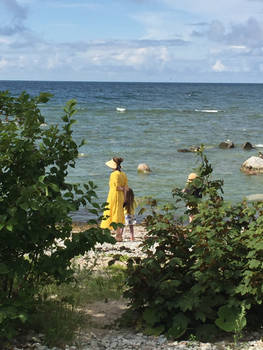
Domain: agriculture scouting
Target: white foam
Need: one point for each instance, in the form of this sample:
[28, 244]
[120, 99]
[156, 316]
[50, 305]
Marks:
[120, 109]
[207, 110]
[260, 145]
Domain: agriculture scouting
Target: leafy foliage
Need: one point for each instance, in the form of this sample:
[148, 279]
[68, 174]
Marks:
[203, 275]
[36, 245]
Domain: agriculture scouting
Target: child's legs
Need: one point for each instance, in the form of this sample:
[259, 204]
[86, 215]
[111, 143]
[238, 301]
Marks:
[119, 232]
[132, 232]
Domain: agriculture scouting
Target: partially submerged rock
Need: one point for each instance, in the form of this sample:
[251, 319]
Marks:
[183, 150]
[191, 149]
[247, 146]
[253, 166]
[144, 168]
[258, 197]
[226, 144]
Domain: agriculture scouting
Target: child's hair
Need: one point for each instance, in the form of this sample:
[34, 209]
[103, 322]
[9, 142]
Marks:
[129, 200]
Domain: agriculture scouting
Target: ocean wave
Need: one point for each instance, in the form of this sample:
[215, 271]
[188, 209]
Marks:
[120, 109]
[207, 110]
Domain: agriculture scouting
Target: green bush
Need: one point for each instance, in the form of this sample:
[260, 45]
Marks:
[36, 245]
[201, 278]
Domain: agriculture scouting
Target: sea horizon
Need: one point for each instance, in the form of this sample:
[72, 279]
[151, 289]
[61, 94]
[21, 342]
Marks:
[130, 82]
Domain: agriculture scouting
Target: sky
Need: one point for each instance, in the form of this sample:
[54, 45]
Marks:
[132, 40]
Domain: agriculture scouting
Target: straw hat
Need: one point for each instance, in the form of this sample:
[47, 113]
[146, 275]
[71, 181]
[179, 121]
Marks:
[111, 164]
[191, 177]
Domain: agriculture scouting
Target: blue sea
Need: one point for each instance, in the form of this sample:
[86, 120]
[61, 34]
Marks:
[159, 119]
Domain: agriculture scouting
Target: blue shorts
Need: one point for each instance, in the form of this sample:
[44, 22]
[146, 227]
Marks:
[130, 219]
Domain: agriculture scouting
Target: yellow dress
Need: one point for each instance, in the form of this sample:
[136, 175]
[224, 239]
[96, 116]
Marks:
[115, 200]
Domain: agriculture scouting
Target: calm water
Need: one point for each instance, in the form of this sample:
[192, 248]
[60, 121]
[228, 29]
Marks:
[159, 119]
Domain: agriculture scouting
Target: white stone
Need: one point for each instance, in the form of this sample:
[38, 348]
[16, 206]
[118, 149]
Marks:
[255, 197]
[143, 168]
[253, 165]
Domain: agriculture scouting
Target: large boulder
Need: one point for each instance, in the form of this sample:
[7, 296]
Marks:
[226, 144]
[144, 168]
[253, 166]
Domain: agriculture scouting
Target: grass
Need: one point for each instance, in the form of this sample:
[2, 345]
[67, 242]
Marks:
[60, 316]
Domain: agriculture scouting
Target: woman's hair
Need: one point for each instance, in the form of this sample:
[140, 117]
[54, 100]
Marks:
[118, 162]
[129, 200]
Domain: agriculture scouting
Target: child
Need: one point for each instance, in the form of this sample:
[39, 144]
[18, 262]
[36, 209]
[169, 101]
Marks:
[129, 210]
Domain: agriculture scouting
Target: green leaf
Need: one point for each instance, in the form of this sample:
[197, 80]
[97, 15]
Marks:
[186, 302]
[9, 227]
[179, 326]
[156, 331]
[151, 316]
[41, 179]
[207, 332]
[3, 269]
[254, 263]
[230, 318]
[24, 206]
[23, 317]
[3, 316]
[54, 187]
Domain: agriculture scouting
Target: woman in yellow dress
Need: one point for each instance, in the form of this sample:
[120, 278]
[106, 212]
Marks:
[118, 184]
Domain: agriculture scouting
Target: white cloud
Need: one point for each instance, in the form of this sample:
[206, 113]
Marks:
[146, 57]
[218, 67]
[4, 40]
[243, 34]
[136, 58]
[3, 63]
[162, 26]
[238, 47]
[53, 62]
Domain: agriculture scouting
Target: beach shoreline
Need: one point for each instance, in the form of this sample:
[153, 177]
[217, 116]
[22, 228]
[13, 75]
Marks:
[139, 230]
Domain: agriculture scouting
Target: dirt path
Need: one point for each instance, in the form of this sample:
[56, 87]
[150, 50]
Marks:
[103, 315]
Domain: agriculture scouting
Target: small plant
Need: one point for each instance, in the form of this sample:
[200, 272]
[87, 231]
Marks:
[240, 325]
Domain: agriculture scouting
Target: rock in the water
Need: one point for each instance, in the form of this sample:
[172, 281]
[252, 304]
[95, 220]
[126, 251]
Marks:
[226, 144]
[247, 146]
[253, 166]
[191, 149]
[144, 168]
[184, 150]
[258, 197]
